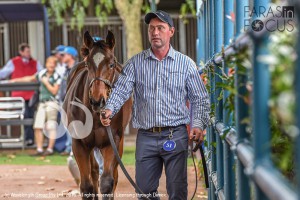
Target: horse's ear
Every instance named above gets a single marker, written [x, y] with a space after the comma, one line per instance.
[88, 40]
[110, 39]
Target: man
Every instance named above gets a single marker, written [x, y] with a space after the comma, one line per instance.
[163, 80]
[70, 55]
[69, 59]
[57, 52]
[17, 67]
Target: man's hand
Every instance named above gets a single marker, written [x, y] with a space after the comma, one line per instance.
[197, 135]
[105, 120]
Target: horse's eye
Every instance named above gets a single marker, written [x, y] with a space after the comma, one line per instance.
[112, 65]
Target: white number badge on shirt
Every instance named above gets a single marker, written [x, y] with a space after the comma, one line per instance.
[169, 145]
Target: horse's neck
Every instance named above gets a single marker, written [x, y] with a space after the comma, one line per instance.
[80, 85]
[74, 72]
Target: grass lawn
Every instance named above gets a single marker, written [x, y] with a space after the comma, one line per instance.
[22, 158]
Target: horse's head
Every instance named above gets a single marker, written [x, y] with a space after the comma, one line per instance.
[102, 66]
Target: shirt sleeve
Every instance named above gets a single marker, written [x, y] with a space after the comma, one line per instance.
[122, 89]
[7, 70]
[199, 99]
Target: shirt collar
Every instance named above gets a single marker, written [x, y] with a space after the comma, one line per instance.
[25, 60]
[171, 53]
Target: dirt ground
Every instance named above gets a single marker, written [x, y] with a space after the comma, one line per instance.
[19, 182]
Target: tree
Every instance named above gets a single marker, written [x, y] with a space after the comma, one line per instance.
[129, 11]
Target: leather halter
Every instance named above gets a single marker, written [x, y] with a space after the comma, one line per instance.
[106, 81]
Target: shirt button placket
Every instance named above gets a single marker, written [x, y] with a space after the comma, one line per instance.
[158, 88]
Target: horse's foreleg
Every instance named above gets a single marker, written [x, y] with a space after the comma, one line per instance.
[95, 175]
[120, 145]
[82, 156]
[109, 177]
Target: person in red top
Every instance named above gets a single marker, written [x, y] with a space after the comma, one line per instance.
[17, 67]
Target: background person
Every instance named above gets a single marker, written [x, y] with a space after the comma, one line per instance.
[48, 107]
[20, 66]
[70, 55]
[58, 53]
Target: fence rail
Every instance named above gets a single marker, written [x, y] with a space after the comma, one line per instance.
[7, 87]
[240, 167]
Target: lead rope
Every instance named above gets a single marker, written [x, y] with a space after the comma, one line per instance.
[199, 146]
[113, 144]
[195, 168]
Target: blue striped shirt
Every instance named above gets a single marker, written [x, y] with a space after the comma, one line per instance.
[161, 90]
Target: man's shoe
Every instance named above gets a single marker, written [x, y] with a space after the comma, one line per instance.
[48, 153]
[29, 142]
[65, 153]
[38, 153]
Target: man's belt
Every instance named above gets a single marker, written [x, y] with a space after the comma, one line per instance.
[159, 129]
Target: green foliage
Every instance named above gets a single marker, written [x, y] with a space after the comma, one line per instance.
[187, 7]
[281, 61]
[282, 102]
[146, 7]
[76, 11]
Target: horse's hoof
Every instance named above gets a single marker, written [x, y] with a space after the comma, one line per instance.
[106, 185]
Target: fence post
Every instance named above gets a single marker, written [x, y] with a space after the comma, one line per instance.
[261, 93]
[218, 103]
[211, 132]
[201, 33]
[153, 5]
[241, 108]
[297, 93]
[229, 175]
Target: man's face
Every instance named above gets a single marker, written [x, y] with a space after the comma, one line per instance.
[59, 56]
[159, 33]
[26, 53]
[66, 58]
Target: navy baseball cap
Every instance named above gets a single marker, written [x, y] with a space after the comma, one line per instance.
[163, 16]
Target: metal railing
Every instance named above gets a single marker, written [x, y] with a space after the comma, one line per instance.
[240, 167]
[5, 88]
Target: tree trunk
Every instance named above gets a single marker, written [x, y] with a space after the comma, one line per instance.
[130, 13]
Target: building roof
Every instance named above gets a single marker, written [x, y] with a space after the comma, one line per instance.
[18, 11]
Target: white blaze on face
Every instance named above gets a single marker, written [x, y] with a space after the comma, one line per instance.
[98, 57]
